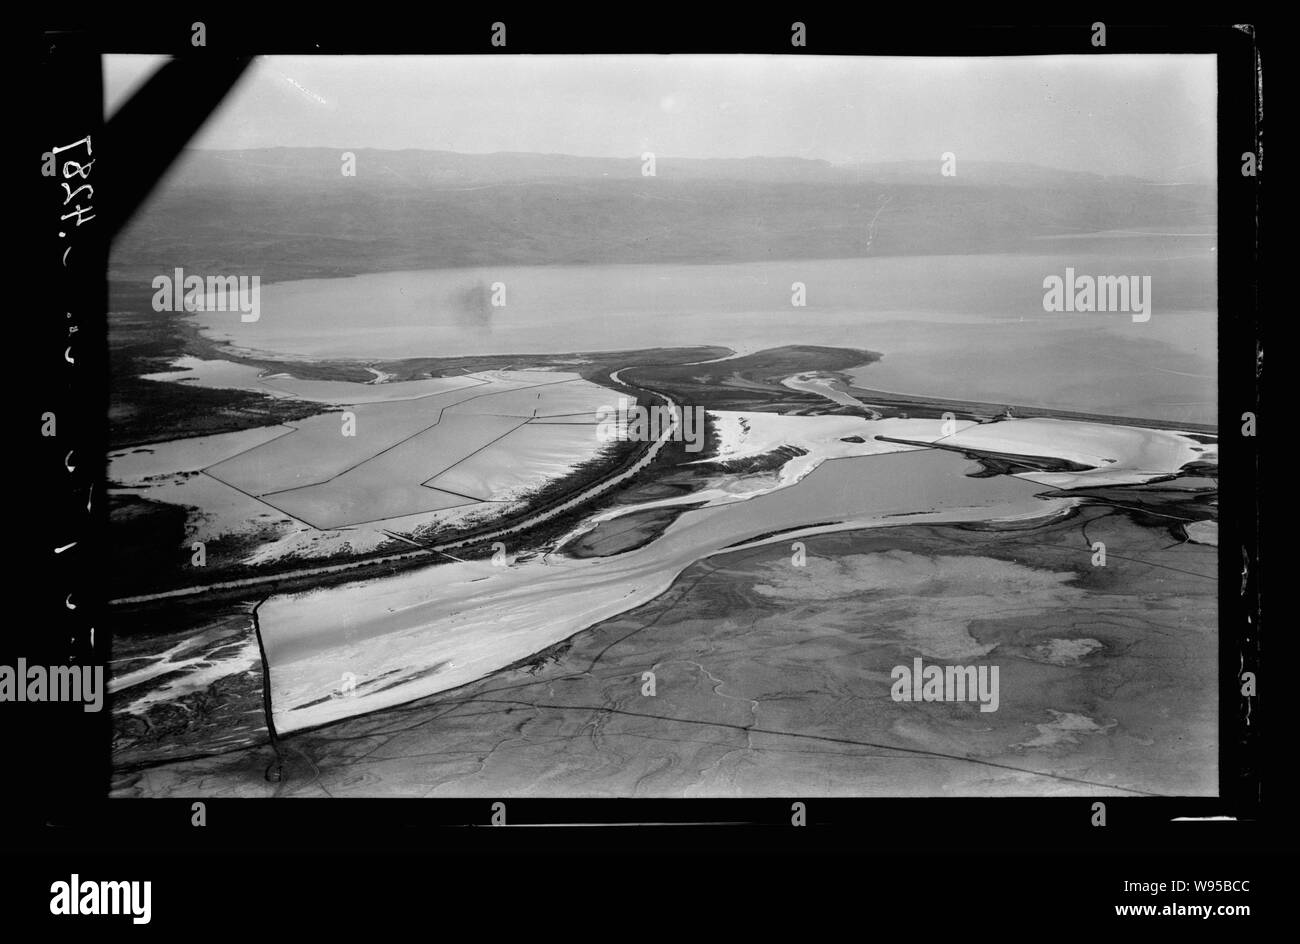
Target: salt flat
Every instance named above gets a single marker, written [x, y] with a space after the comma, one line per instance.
[411, 635]
[1109, 684]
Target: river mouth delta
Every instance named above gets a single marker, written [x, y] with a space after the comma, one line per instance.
[442, 580]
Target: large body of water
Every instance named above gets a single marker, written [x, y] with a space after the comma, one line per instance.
[969, 326]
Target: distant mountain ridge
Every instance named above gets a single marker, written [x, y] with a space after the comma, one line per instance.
[413, 166]
[291, 213]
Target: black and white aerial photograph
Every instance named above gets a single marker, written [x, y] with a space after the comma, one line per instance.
[671, 426]
[709, 437]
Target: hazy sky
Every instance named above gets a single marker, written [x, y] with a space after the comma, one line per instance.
[1151, 116]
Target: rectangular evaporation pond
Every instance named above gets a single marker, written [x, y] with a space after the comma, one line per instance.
[317, 450]
[388, 486]
[576, 400]
[526, 459]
